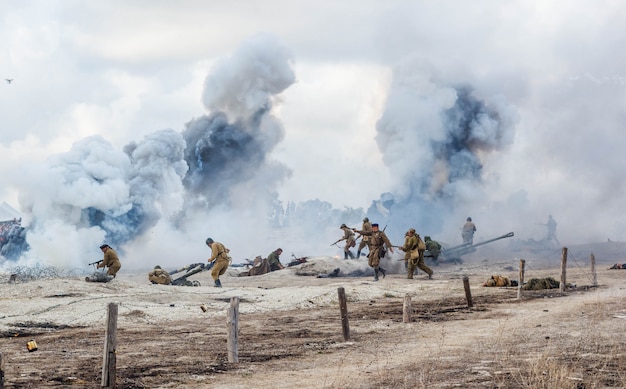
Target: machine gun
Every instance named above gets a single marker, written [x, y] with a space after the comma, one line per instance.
[95, 263]
[453, 254]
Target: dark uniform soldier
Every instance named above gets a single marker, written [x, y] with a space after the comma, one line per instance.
[348, 236]
[219, 255]
[159, 276]
[433, 247]
[110, 260]
[274, 260]
[378, 241]
[367, 226]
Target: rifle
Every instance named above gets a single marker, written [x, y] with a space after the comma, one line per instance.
[338, 241]
[95, 263]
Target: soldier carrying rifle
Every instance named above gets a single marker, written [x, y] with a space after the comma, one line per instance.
[378, 241]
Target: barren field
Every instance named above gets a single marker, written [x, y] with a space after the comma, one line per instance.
[290, 332]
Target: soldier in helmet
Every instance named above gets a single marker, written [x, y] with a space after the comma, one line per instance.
[367, 226]
[414, 246]
[378, 241]
[348, 236]
[219, 255]
[467, 232]
[433, 247]
[159, 276]
[110, 260]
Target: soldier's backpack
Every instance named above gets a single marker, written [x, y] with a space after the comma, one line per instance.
[421, 246]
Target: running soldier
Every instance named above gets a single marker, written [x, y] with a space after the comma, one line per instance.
[367, 226]
[378, 241]
[219, 255]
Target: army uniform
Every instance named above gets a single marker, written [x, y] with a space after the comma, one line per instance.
[433, 247]
[110, 260]
[415, 247]
[348, 236]
[378, 241]
[274, 260]
[219, 254]
[467, 232]
[367, 226]
[159, 276]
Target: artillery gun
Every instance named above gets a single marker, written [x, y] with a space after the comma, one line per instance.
[453, 254]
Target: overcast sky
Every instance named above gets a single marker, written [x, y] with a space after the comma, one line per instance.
[555, 71]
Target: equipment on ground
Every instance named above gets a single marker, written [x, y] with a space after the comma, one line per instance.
[190, 270]
[453, 254]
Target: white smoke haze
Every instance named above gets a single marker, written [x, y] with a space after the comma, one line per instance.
[417, 115]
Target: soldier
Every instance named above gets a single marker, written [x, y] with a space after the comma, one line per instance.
[110, 260]
[367, 226]
[414, 245]
[274, 260]
[467, 232]
[378, 241]
[348, 236]
[219, 255]
[433, 247]
[159, 276]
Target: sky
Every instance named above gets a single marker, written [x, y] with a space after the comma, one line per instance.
[155, 124]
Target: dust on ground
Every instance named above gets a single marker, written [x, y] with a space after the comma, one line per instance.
[290, 330]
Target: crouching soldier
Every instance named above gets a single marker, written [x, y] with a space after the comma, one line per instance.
[159, 276]
[110, 260]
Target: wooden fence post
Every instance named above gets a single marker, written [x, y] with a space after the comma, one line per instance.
[593, 270]
[563, 269]
[406, 309]
[1, 372]
[343, 307]
[233, 331]
[109, 359]
[468, 293]
[522, 264]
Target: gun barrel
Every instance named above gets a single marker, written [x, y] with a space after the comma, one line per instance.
[466, 248]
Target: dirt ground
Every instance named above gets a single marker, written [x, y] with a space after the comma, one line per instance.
[290, 331]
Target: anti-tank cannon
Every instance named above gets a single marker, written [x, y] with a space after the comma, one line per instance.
[453, 254]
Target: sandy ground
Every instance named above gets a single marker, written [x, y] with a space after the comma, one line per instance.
[290, 330]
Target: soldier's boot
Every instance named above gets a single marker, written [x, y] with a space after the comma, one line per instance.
[382, 271]
[218, 283]
[430, 276]
[358, 254]
[375, 274]
[350, 254]
[345, 255]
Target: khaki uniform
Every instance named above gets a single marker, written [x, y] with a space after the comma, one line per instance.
[111, 261]
[367, 226]
[416, 247]
[219, 254]
[348, 236]
[467, 233]
[377, 242]
[274, 261]
[159, 276]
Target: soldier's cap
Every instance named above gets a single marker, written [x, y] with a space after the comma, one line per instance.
[411, 229]
[366, 219]
[343, 226]
[375, 225]
[209, 240]
[157, 267]
[103, 246]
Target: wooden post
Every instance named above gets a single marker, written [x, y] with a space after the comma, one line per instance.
[406, 311]
[1, 372]
[343, 307]
[563, 269]
[233, 331]
[593, 270]
[109, 360]
[522, 264]
[468, 293]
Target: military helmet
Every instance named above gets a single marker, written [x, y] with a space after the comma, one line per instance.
[427, 237]
[469, 219]
[157, 267]
[343, 226]
[365, 220]
[209, 240]
[411, 229]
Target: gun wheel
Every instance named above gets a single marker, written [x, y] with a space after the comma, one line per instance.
[195, 283]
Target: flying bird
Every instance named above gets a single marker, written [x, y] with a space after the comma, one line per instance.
[9, 80]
